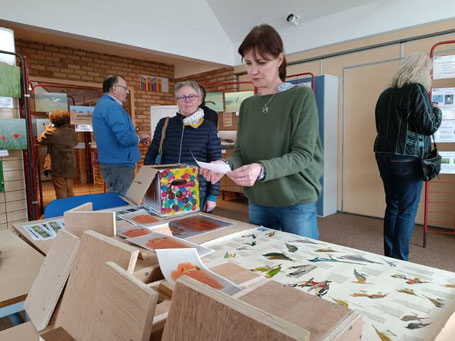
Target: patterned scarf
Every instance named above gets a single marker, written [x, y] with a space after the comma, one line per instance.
[195, 119]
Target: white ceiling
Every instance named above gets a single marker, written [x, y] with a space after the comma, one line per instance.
[238, 17]
[203, 35]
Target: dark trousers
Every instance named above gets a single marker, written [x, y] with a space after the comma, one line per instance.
[402, 180]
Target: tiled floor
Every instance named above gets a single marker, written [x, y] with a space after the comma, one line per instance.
[79, 189]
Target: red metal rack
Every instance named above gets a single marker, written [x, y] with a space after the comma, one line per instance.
[437, 186]
[35, 147]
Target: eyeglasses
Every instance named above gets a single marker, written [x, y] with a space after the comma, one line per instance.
[122, 86]
[183, 98]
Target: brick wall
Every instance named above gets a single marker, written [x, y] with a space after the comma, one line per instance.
[66, 63]
[219, 75]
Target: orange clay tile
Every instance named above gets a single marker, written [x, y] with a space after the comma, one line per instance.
[136, 233]
[196, 273]
[165, 243]
[145, 219]
[197, 224]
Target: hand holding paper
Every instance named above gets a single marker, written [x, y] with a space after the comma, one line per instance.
[216, 166]
[212, 176]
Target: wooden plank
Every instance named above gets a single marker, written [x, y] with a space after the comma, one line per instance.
[448, 331]
[48, 285]
[77, 311]
[199, 312]
[125, 308]
[87, 207]
[57, 334]
[19, 265]
[305, 310]
[76, 222]
[234, 273]
[148, 274]
[21, 332]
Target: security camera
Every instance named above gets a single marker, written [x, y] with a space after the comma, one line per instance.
[293, 19]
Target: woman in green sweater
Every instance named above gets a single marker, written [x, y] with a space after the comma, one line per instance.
[278, 156]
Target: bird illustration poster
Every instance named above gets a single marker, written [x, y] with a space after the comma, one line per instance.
[234, 99]
[48, 101]
[175, 263]
[214, 100]
[12, 134]
[10, 83]
[403, 300]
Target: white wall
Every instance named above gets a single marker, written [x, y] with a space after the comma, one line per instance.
[187, 28]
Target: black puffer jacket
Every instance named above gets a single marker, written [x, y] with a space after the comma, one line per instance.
[182, 142]
[405, 121]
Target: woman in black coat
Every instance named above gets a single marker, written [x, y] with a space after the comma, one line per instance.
[405, 121]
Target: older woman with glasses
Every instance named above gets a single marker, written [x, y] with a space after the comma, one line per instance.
[188, 134]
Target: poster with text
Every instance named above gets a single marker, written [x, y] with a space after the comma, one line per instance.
[443, 67]
[446, 132]
[444, 97]
[447, 162]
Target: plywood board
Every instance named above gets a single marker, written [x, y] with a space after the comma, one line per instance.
[51, 279]
[76, 222]
[77, 311]
[88, 206]
[19, 265]
[125, 308]
[234, 273]
[447, 333]
[305, 311]
[22, 332]
[199, 312]
[57, 334]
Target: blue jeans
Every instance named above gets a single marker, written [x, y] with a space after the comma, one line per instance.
[117, 178]
[402, 180]
[298, 219]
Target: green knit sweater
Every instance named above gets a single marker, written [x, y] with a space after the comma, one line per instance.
[286, 141]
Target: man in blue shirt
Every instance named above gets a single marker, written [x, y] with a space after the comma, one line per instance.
[116, 137]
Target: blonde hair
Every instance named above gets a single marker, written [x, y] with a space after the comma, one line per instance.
[416, 68]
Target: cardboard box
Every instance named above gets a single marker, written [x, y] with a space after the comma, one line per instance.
[168, 190]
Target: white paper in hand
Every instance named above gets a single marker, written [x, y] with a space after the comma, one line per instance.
[221, 168]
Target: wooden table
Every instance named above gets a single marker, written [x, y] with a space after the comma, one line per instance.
[19, 265]
[378, 287]
[43, 245]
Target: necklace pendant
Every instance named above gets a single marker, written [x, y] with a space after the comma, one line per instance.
[265, 110]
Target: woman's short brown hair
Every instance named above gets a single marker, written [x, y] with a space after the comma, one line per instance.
[264, 39]
[59, 117]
